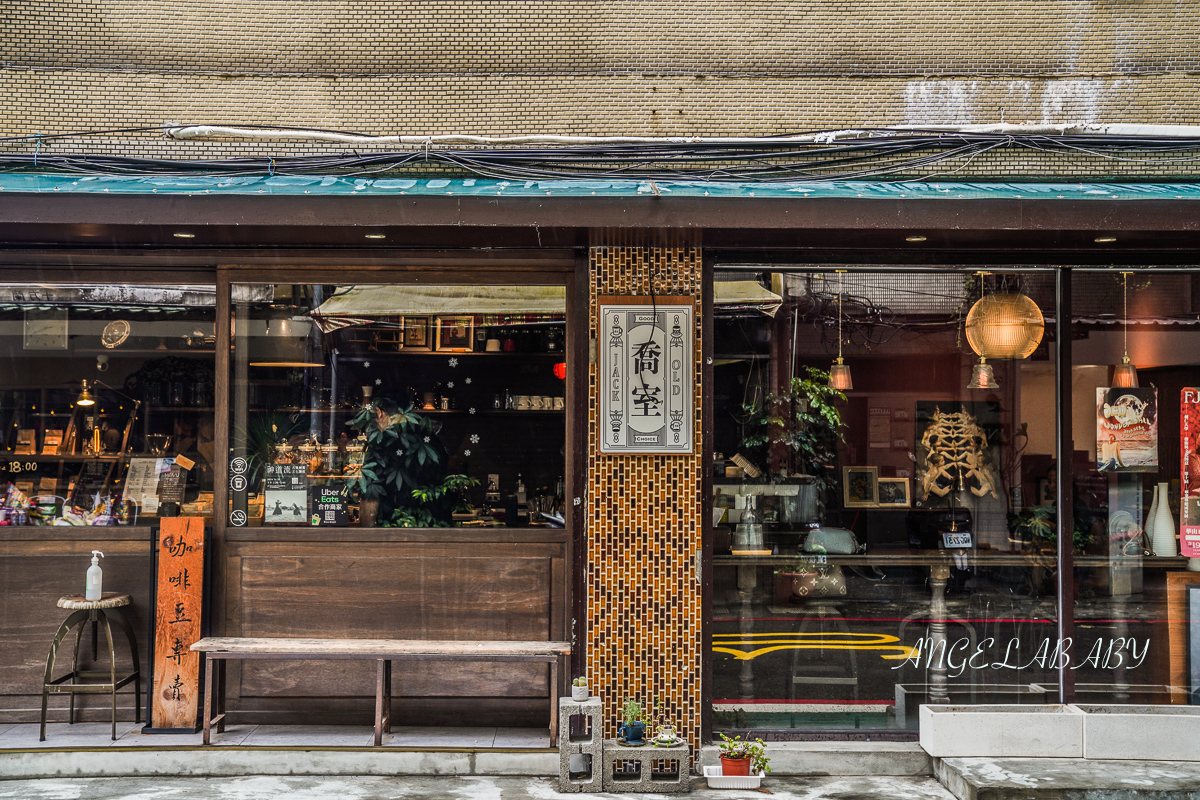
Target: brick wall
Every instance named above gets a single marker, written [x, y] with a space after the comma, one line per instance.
[657, 68]
[643, 529]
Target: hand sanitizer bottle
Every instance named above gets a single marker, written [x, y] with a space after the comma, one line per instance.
[95, 578]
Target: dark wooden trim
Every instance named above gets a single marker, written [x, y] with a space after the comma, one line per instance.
[1064, 455]
[147, 262]
[578, 393]
[54, 270]
[706, 484]
[264, 535]
[224, 345]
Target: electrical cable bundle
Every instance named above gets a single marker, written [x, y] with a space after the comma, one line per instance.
[876, 153]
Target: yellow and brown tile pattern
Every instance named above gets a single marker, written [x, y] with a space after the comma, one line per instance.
[643, 529]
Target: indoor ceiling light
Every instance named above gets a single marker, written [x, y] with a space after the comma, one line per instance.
[376, 236]
[1125, 374]
[914, 238]
[839, 373]
[982, 376]
[85, 397]
[184, 235]
[1004, 325]
[1105, 239]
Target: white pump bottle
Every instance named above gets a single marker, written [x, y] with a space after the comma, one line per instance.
[95, 578]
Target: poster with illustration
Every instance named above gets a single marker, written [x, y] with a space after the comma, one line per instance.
[1126, 430]
[1189, 463]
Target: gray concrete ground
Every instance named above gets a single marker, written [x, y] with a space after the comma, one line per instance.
[428, 788]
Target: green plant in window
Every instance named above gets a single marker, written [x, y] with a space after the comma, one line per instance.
[804, 423]
[404, 467]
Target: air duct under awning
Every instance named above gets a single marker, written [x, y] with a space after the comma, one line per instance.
[367, 304]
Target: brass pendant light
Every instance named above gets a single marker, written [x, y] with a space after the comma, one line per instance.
[1125, 374]
[839, 373]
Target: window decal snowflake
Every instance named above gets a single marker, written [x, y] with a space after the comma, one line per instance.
[474, 438]
[453, 362]
[467, 453]
[468, 381]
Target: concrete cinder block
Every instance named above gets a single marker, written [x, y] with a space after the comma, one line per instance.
[1142, 733]
[1002, 731]
[645, 757]
[589, 745]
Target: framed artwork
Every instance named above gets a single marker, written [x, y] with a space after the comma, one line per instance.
[454, 334]
[860, 487]
[1126, 429]
[416, 333]
[895, 492]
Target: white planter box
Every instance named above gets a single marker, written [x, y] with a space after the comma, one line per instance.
[1002, 731]
[1148, 733]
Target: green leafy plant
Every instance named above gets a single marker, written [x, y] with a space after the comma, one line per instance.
[738, 748]
[797, 430]
[404, 468]
[1035, 525]
[631, 712]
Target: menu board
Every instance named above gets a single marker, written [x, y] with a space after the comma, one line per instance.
[286, 494]
[171, 485]
[141, 482]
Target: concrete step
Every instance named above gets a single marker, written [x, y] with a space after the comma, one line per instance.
[1068, 779]
[840, 758]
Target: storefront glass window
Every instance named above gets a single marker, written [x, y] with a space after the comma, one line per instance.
[106, 398]
[888, 542]
[397, 406]
[1136, 485]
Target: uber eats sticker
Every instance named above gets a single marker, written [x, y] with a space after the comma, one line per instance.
[329, 506]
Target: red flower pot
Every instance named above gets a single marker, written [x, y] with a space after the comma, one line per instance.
[735, 766]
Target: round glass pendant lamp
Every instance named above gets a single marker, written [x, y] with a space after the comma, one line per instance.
[1005, 325]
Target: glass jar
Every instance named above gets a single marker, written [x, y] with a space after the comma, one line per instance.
[175, 393]
[285, 453]
[355, 454]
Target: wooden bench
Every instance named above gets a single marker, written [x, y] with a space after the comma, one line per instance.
[217, 651]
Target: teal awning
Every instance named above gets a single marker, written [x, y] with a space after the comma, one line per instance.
[283, 185]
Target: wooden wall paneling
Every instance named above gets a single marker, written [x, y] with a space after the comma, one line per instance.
[1177, 631]
[34, 574]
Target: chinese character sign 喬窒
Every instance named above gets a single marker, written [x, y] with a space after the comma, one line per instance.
[647, 375]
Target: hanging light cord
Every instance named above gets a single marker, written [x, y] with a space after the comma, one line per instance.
[1125, 316]
[841, 278]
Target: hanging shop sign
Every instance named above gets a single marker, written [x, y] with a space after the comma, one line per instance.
[1189, 462]
[1126, 430]
[647, 375]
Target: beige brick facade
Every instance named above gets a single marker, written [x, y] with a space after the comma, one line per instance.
[658, 68]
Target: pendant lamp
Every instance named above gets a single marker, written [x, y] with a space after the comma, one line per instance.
[1001, 325]
[1125, 373]
[839, 373]
[85, 397]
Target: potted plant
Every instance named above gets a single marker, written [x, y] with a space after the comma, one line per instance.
[796, 433]
[740, 757]
[579, 689]
[634, 728]
[798, 578]
[403, 478]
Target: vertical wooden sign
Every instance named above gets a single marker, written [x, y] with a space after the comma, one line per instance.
[180, 593]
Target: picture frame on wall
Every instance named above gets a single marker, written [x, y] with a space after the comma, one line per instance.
[860, 487]
[415, 334]
[895, 493]
[454, 334]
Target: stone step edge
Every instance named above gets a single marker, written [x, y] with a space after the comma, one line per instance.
[787, 758]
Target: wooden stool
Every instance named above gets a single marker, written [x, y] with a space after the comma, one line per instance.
[108, 610]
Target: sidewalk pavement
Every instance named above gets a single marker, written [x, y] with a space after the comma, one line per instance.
[443, 788]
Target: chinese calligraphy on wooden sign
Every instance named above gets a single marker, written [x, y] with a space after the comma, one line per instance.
[647, 375]
[176, 688]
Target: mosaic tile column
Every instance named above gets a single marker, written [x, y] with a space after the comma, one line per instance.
[644, 528]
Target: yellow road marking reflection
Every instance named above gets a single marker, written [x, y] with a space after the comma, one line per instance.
[812, 641]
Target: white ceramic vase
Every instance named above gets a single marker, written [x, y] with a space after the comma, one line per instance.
[1148, 528]
[1163, 537]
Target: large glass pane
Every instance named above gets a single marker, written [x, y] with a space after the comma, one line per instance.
[397, 406]
[890, 542]
[106, 400]
[1136, 485]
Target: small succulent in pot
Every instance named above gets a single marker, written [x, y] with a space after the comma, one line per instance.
[579, 689]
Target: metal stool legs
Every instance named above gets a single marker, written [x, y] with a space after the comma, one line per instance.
[68, 684]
